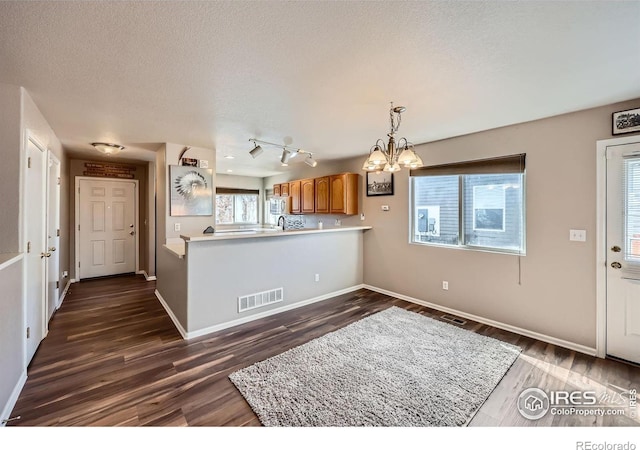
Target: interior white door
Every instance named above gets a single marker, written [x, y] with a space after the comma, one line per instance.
[36, 245]
[623, 251]
[53, 236]
[107, 227]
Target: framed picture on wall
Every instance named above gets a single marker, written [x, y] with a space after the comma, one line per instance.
[190, 191]
[379, 183]
[626, 121]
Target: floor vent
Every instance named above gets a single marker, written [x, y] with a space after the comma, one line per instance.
[455, 320]
[259, 299]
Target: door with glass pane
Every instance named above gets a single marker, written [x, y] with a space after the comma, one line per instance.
[623, 251]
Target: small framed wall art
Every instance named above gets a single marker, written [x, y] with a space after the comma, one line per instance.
[379, 183]
[626, 121]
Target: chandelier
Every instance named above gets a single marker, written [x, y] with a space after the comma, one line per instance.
[389, 158]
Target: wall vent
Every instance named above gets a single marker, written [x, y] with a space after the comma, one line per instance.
[259, 299]
[455, 320]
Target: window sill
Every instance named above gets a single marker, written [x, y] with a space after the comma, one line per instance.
[471, 248]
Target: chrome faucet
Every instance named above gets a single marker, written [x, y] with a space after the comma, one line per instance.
[283, 225]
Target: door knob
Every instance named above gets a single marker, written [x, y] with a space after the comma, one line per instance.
[132, 232]
[52, 249]
[131, 226]
[45, 255]
[616, 249]
[616, 265]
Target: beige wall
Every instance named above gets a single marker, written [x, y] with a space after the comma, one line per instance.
[191, 224]
[557, 295]
[145, 211]
[10, 150]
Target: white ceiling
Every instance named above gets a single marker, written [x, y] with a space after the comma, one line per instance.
[316, 75]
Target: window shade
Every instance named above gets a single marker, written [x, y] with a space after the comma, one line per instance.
[223, 190]
[503, 164]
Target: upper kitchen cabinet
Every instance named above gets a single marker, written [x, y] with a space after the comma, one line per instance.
[343, 193]
[294, 193]
[322, 195]
[307, 196]
[277, 189]
[284, 189]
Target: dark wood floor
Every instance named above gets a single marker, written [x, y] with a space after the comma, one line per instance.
[113, 357]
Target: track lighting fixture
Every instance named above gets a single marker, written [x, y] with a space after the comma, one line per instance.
[257, 150]
[287, 152]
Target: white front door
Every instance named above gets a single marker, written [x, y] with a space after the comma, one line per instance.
[107, 211]
[623, 251]
[53, 235]
[36, 245]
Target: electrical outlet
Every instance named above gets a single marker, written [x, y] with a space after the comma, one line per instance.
[176, 227]
[362, 216]
[317, 277]
[65, 274]
[578, 235]
[445, 285]
[204, 164]
[338, 222]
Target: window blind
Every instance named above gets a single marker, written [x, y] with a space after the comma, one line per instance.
[502, 164]
[224, 190]
[631, 189]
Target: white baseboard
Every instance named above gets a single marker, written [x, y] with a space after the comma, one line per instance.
[242, 320]
[503, 326]
[146, 276]
[11, 402]
[173, 317]
[64, 293]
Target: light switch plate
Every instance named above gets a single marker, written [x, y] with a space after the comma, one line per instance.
[385, 207]
[578, 235]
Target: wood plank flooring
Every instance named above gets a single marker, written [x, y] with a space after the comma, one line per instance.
[113, 357]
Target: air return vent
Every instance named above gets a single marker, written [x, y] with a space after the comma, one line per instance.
[252, 301]
[452, 319]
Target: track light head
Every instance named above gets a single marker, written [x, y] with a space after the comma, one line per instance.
[256, 151]
[286, 155]
[309, 161]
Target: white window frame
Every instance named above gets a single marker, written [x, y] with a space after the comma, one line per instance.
[257, 222]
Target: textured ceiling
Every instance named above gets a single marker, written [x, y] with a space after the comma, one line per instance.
[316, 75]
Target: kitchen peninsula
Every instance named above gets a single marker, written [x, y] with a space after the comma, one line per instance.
[223, 279]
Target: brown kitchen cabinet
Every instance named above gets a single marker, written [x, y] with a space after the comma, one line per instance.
[307, 196]
[294, 193]
[343, 193]
[322, 195]
[277, 189]
[284, 189]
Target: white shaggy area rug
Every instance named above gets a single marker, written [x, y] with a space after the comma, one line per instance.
[394, 368]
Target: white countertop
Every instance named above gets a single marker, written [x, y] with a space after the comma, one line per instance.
[263, 233]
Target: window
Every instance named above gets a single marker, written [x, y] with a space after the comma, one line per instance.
[236, 206]
[632, 209]
[476, 204]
